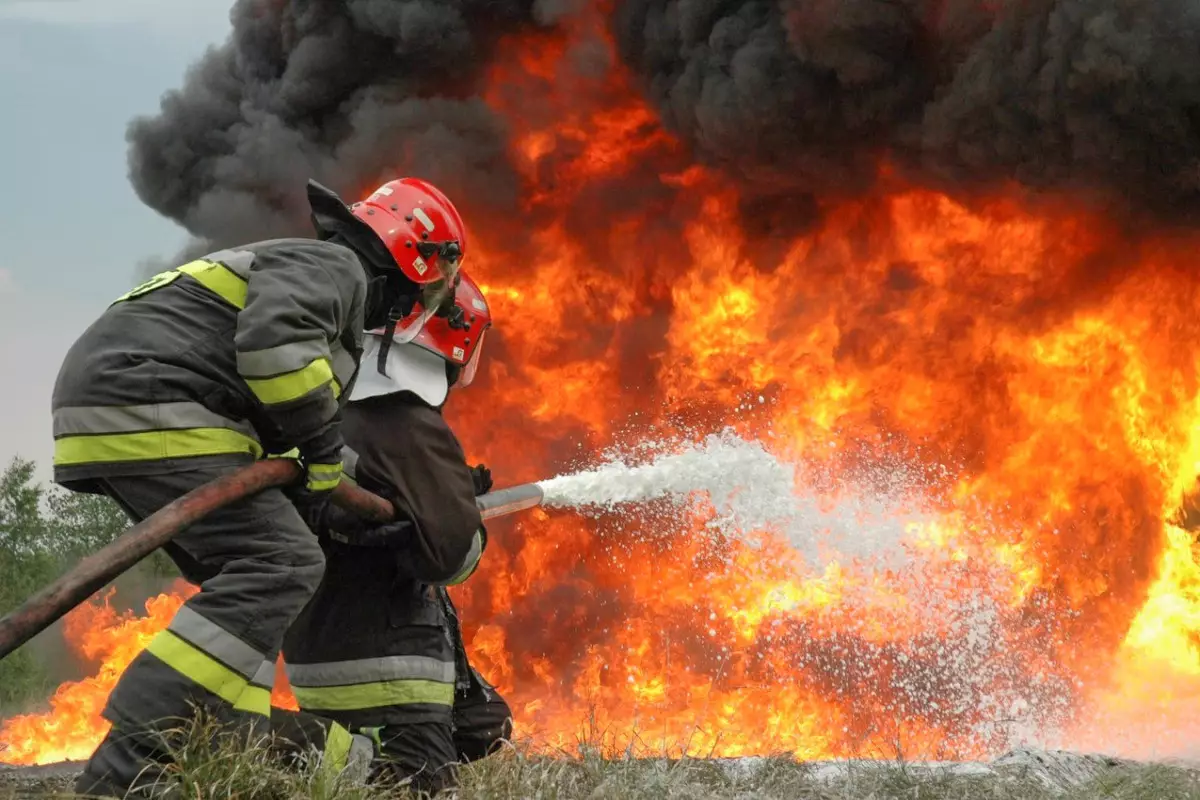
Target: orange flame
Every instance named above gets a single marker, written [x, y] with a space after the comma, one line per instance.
[1031, 368]
[99, 634]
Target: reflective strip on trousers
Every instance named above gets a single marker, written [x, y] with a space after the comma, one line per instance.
[104, 434]
[292, 385]
[372, 683]
[265, 675]
[374, 695]
[370, 670]
[204, 670]
[210, 637]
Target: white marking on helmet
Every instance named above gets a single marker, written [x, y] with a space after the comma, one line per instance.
[458, 353]
[479, 304]
[420, 214]
[420, 266]
[384, 190]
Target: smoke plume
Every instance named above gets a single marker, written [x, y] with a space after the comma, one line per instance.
[1099, 98]
[349, 92]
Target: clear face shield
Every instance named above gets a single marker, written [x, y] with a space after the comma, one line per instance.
[434, 296]
[467, 376]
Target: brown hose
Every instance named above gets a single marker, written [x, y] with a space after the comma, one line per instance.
[89, 575]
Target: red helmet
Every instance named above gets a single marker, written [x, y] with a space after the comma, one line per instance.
[425, 235]
[456, 330]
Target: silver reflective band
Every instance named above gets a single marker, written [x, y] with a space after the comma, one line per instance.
[371, 670]
[236, 261]
[344, 365]
[217, 642]
[349, 462]
[281, 359]
[264, 676]
[74, 420]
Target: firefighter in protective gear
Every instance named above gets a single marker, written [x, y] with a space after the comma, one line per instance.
[378, 648]
[246, 352]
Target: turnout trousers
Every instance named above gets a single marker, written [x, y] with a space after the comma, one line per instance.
[257, 564]
[427, 754]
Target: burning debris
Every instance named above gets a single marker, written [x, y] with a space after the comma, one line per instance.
[838, 262]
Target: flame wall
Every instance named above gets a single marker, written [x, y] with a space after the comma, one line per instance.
[1028, 359]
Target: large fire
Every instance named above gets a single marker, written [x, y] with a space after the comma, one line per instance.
[1032, 368]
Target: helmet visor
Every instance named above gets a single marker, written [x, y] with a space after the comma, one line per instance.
[433, 297]
[467, 377]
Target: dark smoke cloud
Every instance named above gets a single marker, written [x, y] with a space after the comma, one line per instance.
[1099, 98]
[349, 92]
[1093, 96]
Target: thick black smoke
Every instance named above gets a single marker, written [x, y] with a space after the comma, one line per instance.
[1100, 97]
[349, 92]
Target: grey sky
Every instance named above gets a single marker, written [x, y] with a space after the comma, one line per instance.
[72, 74]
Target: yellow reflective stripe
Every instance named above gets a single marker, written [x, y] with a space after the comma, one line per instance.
[155, 282]
[254, 700]
[220, 280]
[325, 471]
[201, 668]
[323, 477]
[217, 278]
[373, 695]
[291, 385]
[337, 749]
[152, 445]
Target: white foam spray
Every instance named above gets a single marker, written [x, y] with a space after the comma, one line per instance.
[955, 654]
[749, 491]
[746, 484]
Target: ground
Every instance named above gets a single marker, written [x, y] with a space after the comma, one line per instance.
[1022, 775]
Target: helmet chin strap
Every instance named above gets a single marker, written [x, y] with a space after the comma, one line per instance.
[401, 309]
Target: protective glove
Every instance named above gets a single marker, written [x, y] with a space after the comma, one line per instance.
[393, 536]
[349, 528]
[321, 457]
[481, 476]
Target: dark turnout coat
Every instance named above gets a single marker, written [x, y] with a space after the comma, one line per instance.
[243, 351]
[379, 643]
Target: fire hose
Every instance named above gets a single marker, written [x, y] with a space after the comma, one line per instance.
[92, 573]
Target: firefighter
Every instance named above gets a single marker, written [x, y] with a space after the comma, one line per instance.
[201, 370]
[378, 648]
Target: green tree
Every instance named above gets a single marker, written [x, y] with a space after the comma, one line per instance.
[79, 524]
[43, 532]
[26, 563]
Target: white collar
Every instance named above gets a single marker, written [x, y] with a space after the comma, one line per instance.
[410, 368]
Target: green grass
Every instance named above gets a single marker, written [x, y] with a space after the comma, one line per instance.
[211, 765]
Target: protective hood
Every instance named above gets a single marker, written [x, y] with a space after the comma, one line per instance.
[331, 217]
[410, 368]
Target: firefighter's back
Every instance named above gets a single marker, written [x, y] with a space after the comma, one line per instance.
[153, 384]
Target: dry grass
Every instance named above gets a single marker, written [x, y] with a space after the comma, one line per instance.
[212, 765]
